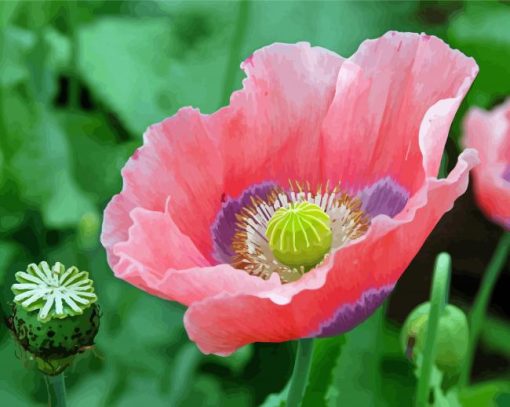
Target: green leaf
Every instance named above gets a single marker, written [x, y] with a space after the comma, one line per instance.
[481, 31]
[42, 165]
[237, 361]
[60, 49]
[495, 336]
[325, 357]
[40, 157]
[356, 378]
[142, 391]
[92, 387]
[8, 251]
[18, 384]
[38, 160]
[15, 44]
[503, 400]
[276, 400]
[183, 371]
[7, 11]
[97, 156]
[397, 382]
[12, 208]
[67, 204]
[205, 391]
[20, 48]
[326, 352]
[147, 335]
[150, 68]
[487, 394]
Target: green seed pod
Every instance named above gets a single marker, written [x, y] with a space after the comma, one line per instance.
[300, 235]
[55, 315]
[452, 336]
[57, 338]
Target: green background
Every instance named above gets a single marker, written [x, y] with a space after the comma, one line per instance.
[79, 84]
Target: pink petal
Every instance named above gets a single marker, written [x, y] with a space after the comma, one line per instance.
[156, 242]
[225, 322]
[159, 259]
[489, 133]
[492, 193]
[271, 130]
[394, 103]
[180, 160]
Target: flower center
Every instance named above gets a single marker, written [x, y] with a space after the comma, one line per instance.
[300, 235]
[289, 232]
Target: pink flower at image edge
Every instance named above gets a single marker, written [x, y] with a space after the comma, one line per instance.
[375, 123]
[489, 133]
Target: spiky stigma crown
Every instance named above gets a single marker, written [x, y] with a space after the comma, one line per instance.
[55, 315]
[54, 292]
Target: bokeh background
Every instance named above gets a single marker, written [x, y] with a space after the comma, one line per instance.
[79, 84]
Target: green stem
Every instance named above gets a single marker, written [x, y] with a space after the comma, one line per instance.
[235, 51]
[479, 310]
[439, 298]
[56, 387]
[301, 371]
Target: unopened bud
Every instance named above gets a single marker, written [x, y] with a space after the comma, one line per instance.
[451, 341]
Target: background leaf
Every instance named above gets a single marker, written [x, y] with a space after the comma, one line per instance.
[480, 31]
[326, 354]
[144, 83]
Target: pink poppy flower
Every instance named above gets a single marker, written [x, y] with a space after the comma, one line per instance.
[361, 138]
[489, 133]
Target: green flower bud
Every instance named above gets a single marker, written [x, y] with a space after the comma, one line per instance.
[452, 336]
[55, 315]
[300, 235]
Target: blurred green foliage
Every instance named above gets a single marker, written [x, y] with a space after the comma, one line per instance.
[79, 84]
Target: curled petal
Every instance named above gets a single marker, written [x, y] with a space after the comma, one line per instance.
[395, 100]
[159, 259]
[180, 160]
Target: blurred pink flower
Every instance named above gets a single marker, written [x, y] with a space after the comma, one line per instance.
[489, 133]
[189, 223]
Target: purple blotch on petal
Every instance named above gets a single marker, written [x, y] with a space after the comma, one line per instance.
[385, 197]
[506, 173]
[348, 316]
[224, 226]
